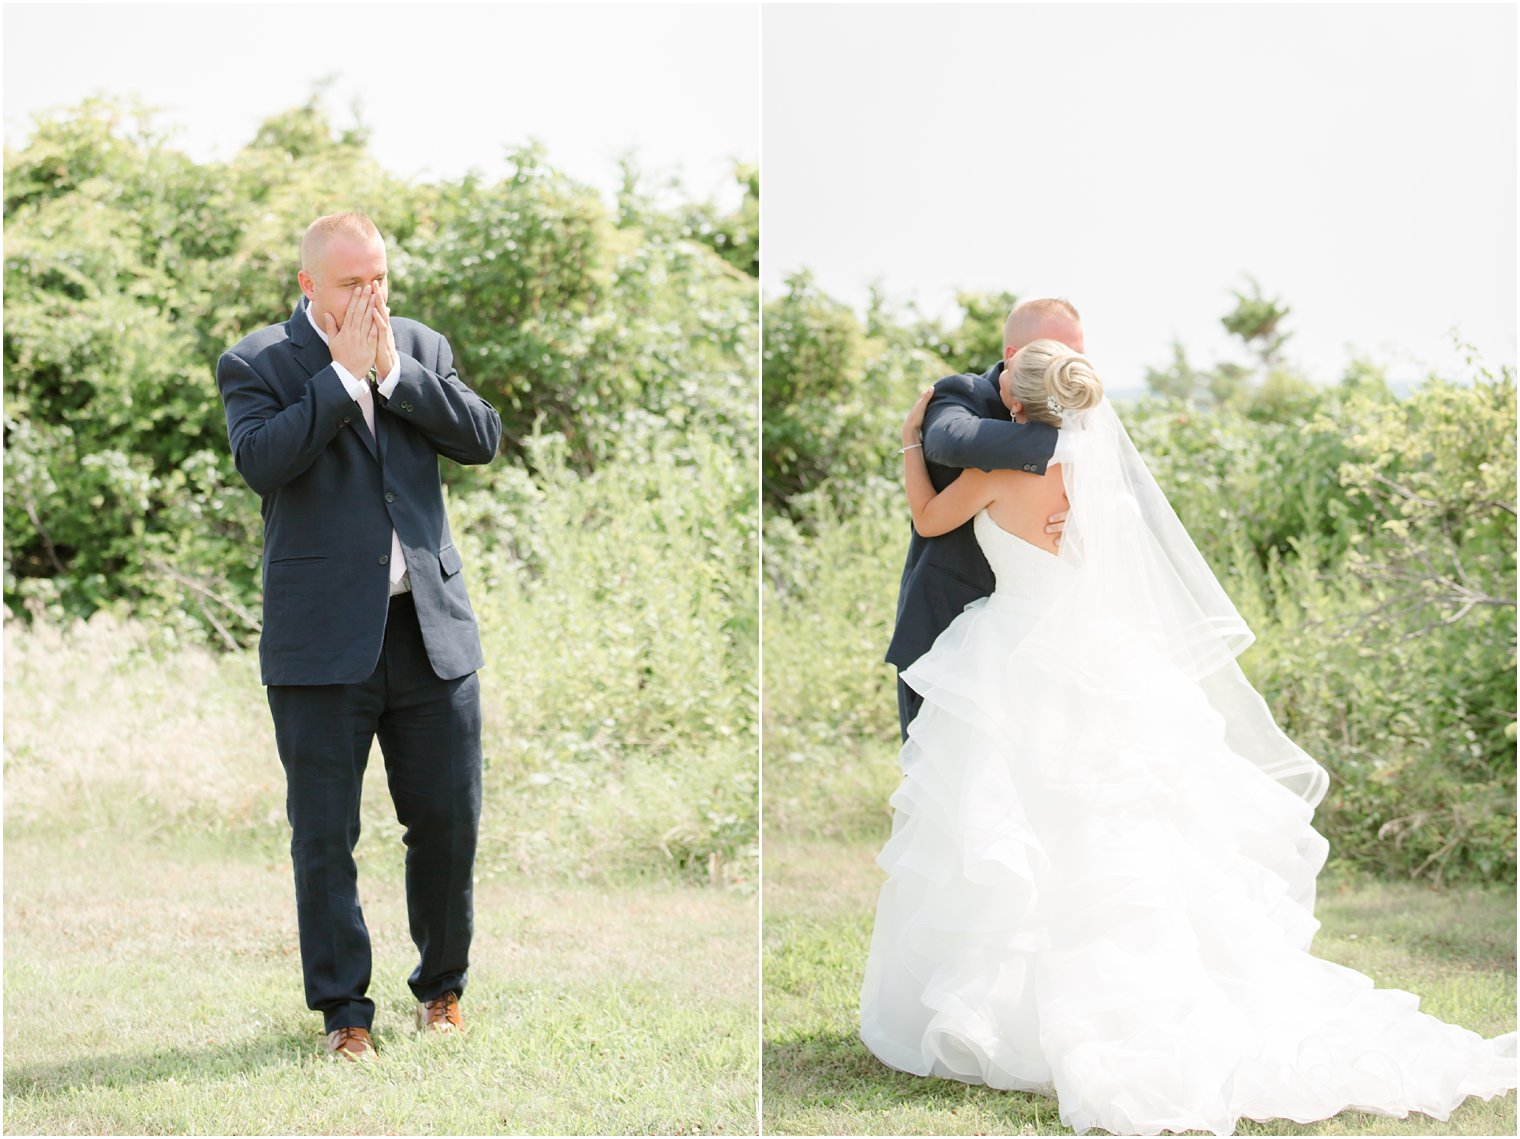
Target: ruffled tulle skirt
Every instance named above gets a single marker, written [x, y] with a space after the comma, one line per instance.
[1092, 898]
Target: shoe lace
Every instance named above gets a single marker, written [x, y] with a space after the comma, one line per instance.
[349, 1035]
[445, 1007]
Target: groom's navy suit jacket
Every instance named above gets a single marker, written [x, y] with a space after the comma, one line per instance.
[965, 425]
[331, 494]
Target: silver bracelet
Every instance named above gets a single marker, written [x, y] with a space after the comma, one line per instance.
[909, 447]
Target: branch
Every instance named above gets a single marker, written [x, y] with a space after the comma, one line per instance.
[168, 571]
[47, 542]
[220, 628]
[1404, 492]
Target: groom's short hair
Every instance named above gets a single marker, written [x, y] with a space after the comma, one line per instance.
[350, 224]
[1035, 309]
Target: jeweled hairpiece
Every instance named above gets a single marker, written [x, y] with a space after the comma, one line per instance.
[1054, 405]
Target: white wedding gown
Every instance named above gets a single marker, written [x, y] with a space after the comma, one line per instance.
[1102, 902]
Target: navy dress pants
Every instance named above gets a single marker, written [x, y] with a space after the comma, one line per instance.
[908, 704]
[429, 731]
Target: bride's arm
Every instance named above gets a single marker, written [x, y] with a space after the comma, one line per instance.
[936, 514]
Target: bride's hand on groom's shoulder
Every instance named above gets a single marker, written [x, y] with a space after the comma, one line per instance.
[915, 421]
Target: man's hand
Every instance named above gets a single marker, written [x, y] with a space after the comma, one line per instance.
[353, 345]
[1056, 524]
[385, 349]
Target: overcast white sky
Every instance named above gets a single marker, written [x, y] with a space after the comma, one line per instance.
[444, 87]
[1140, 159]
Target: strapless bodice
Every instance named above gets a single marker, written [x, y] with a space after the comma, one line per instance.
[1025, 572]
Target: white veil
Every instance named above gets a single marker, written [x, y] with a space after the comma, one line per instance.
[1139, 575]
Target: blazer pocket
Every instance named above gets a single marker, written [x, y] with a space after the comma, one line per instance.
[450, 561]
[944, 594]
[297, 596]
[945, 571]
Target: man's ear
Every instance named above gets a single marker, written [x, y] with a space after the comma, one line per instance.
[1009, 352]
[308, 286]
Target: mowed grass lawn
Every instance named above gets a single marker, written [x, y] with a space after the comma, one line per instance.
[1454, 949]
[153, 985]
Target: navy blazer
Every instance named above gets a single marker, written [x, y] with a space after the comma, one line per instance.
[331, 493]
[965, 425]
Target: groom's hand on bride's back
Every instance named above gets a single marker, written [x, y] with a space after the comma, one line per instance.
[1056, 524]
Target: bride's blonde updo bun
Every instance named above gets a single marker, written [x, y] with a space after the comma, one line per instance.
[1048, 369]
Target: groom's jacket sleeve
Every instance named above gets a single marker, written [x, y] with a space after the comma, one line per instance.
[272, 444]
[960, 432]
[435, 401]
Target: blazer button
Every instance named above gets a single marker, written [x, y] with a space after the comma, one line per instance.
[346, 418]
[389, 497]
[384, 558]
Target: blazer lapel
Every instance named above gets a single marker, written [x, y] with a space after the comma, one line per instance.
[313, 356]
[382, 430]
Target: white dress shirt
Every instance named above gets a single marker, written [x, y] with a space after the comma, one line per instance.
[359, 392]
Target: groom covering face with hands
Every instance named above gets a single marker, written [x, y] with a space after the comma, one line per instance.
[336, 418]
[967, 424]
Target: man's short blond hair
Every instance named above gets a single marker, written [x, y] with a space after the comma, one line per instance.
[1027, 315]
[324, 229]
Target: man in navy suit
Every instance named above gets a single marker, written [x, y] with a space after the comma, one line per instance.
[336, 418]
[967, 425]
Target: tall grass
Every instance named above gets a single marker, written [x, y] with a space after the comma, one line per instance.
[830, 708]
[1393, 717]
[620, 689]
[148, 891]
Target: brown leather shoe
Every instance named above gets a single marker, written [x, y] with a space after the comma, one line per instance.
[440, 1014]
[351, 1043]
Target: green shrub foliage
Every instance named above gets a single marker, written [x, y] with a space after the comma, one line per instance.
[130, 268]
[1368, 539]
[613, 546]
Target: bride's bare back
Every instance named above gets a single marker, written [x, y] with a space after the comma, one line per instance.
[1019, 501]
[1022, 503]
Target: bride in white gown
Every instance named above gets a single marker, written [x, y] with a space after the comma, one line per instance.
[1102, 862]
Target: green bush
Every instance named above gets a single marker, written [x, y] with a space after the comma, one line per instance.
[1368, 540]
[130, 269]
[617, 614]
[620, 632]
[611, 551]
